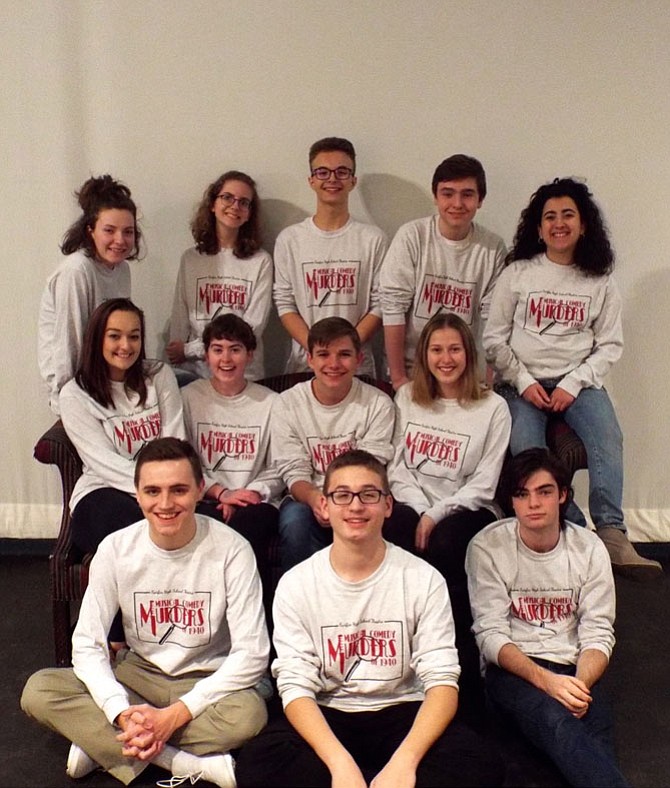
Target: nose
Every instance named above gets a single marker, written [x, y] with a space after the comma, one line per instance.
[164, 500]
[534, 500]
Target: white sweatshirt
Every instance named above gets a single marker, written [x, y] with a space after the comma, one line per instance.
[424, 273]
[550, 605]
[363, 646]
[232, 437]
[71, 294]
[322, 273]
[553, 321]
[108, 439]
[219, 284]
[198, 608]
[448, 456]
[307, 436]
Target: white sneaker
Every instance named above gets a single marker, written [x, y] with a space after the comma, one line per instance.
[217, 769]
[79, 764]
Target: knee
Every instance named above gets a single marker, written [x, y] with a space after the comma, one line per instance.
[35, 695]
[240, 717]
[295, 520]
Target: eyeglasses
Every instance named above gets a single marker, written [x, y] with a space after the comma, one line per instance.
[229, 199]
[345, 497]
[340, 173]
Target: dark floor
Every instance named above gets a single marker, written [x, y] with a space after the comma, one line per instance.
[31, 757]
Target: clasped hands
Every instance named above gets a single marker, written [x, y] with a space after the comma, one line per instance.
[146, 729]
[557, 402]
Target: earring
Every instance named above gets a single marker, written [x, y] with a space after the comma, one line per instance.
[540, 239]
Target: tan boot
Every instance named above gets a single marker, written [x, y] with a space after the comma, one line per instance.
[625, 560]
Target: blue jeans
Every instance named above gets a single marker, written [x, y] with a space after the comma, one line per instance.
[300, 534]
[580, 748]
[592, 417]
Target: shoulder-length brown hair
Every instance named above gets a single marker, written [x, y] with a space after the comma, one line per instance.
[203, 224]
[425, 389]
[92, 374]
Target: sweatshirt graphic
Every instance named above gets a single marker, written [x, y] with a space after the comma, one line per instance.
[373, 650]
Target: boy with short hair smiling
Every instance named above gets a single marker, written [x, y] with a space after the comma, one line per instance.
[191, 602]
[328, 264]
[445, 262]
[315, 421]
[227, 420]
[366, 664]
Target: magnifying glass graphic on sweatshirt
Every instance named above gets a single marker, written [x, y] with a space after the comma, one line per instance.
[172, 614]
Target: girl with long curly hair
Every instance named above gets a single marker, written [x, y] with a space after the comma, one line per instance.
[225, 272]
[553, 334]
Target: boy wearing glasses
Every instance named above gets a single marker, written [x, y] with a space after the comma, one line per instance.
[315, 421]
[328, 265]
[543, 601]
[366, 665]
[440, 263]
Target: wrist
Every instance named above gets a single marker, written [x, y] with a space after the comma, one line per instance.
[221, 492]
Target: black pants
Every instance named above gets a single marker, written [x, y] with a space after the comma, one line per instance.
[446, 550]
[279, 756]
[258, 524]
[99, 514]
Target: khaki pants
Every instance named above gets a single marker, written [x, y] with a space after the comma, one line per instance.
[56, 698]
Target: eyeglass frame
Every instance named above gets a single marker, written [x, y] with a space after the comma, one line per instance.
[351, 495]
[228, 199]
[350, 173]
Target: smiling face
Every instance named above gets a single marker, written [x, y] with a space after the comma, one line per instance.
[334, 366]
[447, 360]
[356, 522]
[121, 343]
[537, 507]
[334, 191]
[228, 212]
[228, 360]
[561, 228]
[457, 203]
[113, 236]
[167, 493]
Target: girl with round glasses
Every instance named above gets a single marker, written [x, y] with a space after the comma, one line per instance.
[225, 272]
[98, 245]
[450, 439]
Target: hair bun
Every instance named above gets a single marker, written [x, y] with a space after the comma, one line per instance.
[100, 188]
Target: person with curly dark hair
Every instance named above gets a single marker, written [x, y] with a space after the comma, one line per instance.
[225, 272]
[554, 332]
[98, 245]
